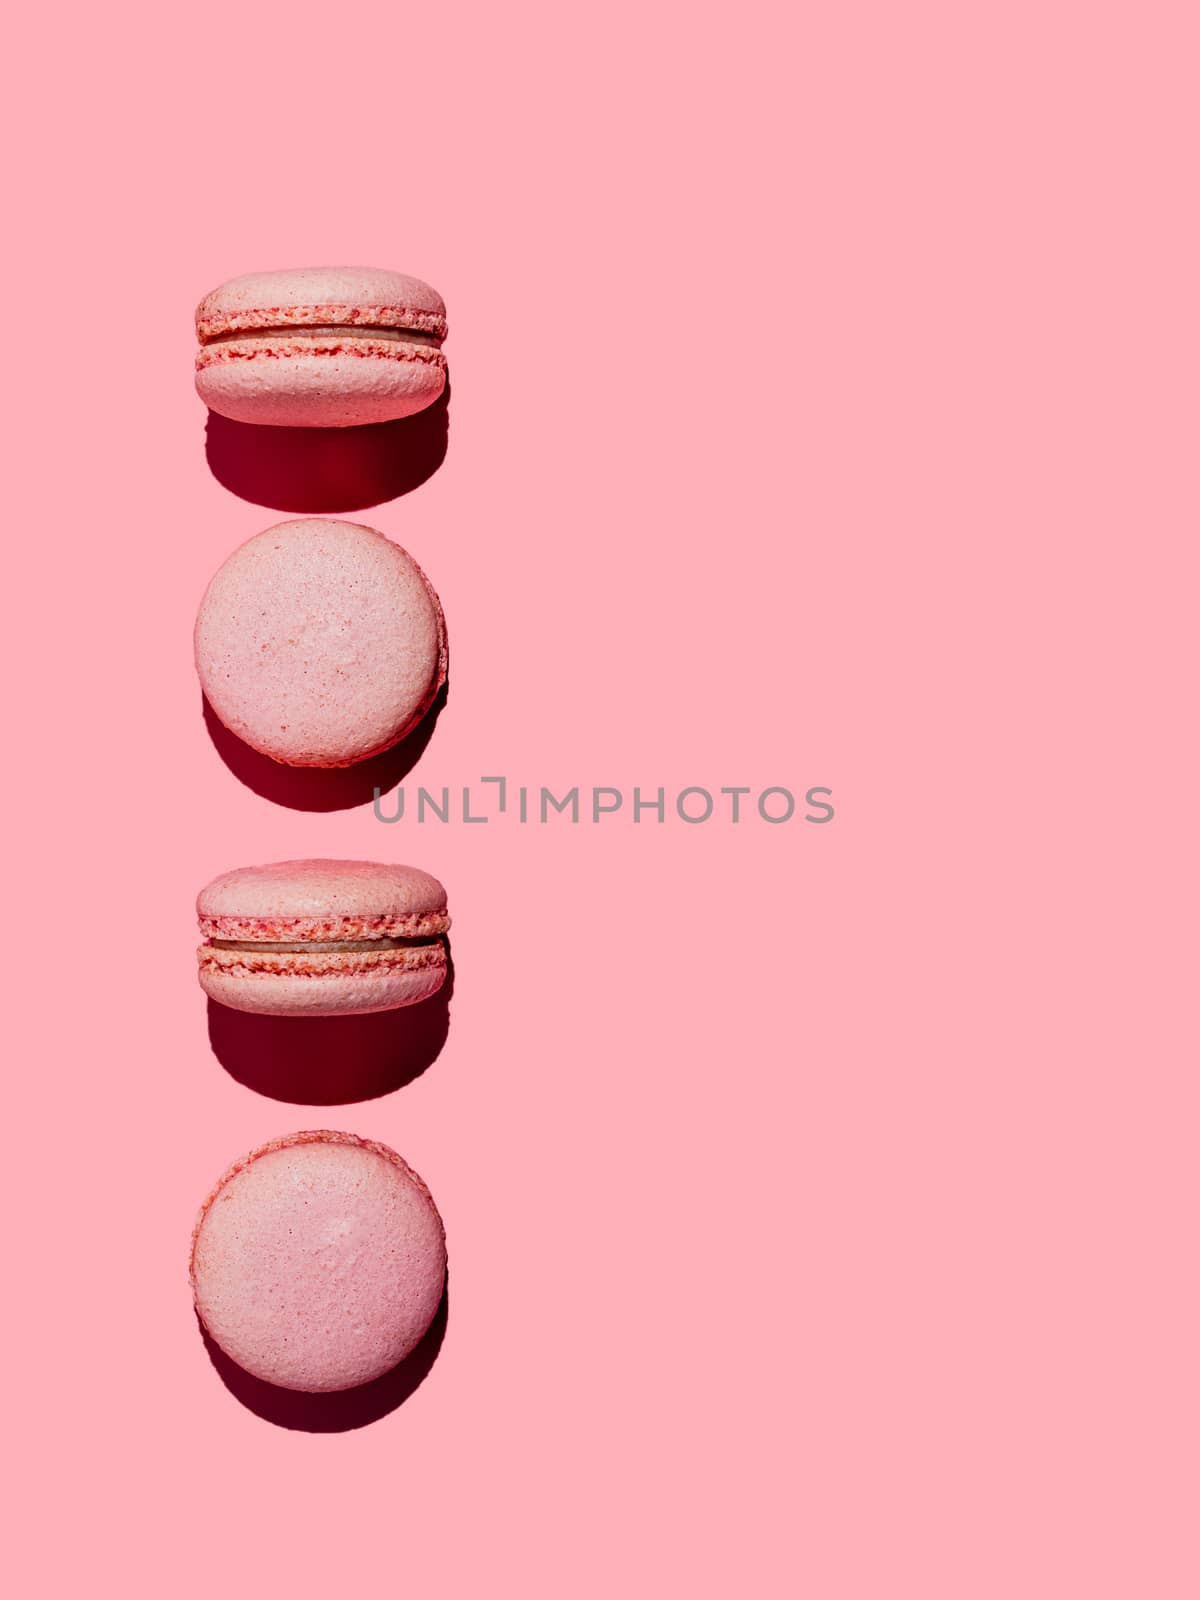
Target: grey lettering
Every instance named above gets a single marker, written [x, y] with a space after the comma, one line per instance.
[684, 815]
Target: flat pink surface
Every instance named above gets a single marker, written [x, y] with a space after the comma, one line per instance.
[822, 1201]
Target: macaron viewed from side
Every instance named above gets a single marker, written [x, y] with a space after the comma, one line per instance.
[320, 643]
[318, 1261]
[319, 938]
[321, 347]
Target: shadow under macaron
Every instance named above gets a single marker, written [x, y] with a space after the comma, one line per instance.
[313, 470]
[332, 1061]
[323, 788]
[345, 1409]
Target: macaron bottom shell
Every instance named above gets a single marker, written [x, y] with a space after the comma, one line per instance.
[279, 384]
[329, 985]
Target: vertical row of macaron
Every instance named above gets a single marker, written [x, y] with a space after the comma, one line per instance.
[318, 1261]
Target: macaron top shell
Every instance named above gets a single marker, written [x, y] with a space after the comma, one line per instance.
[320, 643]
[321, 296]
[321, 899]
[318, 1261]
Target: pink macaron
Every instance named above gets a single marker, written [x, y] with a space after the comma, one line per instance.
[320, 643]
[321, 347]
[322, 938]
[318, 1261]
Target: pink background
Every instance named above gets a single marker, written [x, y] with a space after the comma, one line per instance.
[821, 1200]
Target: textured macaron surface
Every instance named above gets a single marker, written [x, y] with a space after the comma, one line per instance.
[317, 296]
[318, 1261]
[321, 347]
[286, 382]
[320, 642]
[323, 899]
[322, 938]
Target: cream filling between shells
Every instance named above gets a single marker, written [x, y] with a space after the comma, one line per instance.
[324, 331]
[343, 959]
[320, 946]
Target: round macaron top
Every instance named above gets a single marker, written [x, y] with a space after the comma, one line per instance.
[320, 899]
[320, 643]
[318, 1261]
[321, 296]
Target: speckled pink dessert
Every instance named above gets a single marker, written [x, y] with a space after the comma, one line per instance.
[320, 643]
[318, 1261]
[322, 938]
[321, 347]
